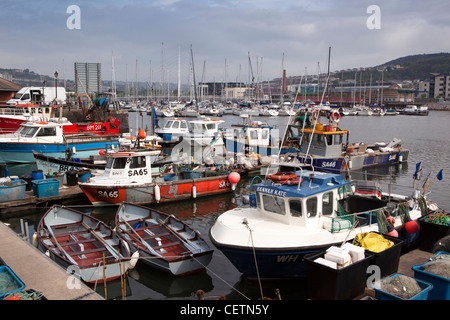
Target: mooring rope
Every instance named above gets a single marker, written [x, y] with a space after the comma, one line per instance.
[245, 222]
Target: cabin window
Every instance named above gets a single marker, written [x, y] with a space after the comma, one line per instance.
[210, 126]
[319, 139]
[137, 162]
[168, 124]
[311, 207]
[26, 96]
[348, 189]
[341, 192]
[30, 132]
[273, 204]
[46, 132]
[327, 203]
[253, 134]
[119, 163]
[176, 125]
[295, 206]
[338, 139]
[329, 139]
[265, 134]
[183, 125]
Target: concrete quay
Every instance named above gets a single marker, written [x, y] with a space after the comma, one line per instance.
[38, 271]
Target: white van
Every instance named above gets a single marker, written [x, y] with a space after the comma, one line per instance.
[39, 95]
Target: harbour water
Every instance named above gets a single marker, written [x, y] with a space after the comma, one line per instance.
[425, 137]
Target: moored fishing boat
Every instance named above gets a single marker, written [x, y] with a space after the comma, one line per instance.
[128, 177]
[11, 118]
[163, 241]
[327, 147]
[49, 139]
[53, 164]
[202, 130]
[84, 245]
[287, 221]
[254, 138]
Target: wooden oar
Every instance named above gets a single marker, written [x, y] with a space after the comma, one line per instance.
[50, 232]
[107, 245]
[149, 248]
[179, 236]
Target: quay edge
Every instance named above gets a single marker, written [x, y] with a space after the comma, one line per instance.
[37, 271]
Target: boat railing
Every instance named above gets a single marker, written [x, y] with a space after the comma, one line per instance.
[345, 221]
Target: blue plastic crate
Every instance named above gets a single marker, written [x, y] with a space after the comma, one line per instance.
[441, 285]
[14, 282]
[12, 190]
[422, 295]
[45, 188]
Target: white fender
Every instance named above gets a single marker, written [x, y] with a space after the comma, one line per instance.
[35, 240]
[194, 192]
[134, 259]
[157, 193]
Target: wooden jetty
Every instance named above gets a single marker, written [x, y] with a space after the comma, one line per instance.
[65, 194]
[39, 272]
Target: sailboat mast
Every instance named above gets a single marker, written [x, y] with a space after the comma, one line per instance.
[193, 77]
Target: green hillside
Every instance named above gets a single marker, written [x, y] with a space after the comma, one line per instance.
[414, 67]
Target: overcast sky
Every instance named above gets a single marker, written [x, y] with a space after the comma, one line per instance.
[40, 35]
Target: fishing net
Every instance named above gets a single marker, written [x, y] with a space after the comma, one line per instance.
[441, 218]
[439, 265]
[27, 295]
[8, 283]
[401, 286]
[423, 206]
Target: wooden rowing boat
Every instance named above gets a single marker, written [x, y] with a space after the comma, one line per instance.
[84, 245]
[163, 241]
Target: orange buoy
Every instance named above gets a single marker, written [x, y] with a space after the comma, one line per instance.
[141, 134]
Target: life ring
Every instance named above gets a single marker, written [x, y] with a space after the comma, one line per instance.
[316, 114]
[336, 119]
[280, 176]
[290, 182]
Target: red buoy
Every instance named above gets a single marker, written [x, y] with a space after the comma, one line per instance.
[234, 177]
[411, 226]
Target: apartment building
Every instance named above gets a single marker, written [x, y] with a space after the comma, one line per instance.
[438, 86]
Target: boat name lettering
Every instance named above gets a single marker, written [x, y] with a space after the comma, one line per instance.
[224, 184]
[329, 164]
[287, 258]
[140, 172]
[108, 193]
[94, 127]
[271, 191]
[392, 157]
[63, 167]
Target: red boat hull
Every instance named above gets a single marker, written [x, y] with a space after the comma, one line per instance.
[145, 194]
